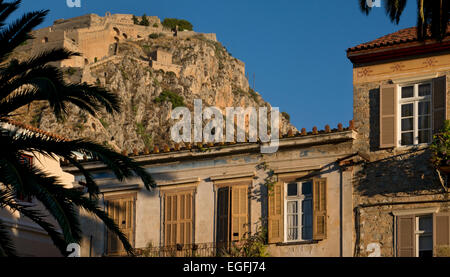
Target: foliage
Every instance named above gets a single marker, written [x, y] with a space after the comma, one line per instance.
[144, 21]
[182, 24]
[104, 123]
[142, 132]
[432, 15]
[253, 94]
[155, 25]
[440, 147]
[155, 35]
[135, 20]
[70, 71]
[287, 116]
[252, 246]
[442, 251]
[55, 208]
[172, 97]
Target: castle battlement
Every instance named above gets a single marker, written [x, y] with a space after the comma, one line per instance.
[96, 37]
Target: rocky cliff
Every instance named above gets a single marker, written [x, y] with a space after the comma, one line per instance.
[200, 69]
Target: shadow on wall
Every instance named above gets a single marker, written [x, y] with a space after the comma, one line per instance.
[409, 173]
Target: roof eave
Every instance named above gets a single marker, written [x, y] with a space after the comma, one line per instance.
[361, 57]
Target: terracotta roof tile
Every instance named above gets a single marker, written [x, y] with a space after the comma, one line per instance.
[403, 36]
[33, 129]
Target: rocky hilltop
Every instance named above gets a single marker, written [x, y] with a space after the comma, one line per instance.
[152, 75]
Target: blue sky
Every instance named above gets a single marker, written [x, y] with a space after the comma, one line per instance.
[295, 48]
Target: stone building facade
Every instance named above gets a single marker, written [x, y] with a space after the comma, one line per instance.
[206, 200]
[401, 98]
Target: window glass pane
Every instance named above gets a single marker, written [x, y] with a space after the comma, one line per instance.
[307, 219]
[426, 224]
[292, 207]
[407, 124]
[424, 136]
[407, 92]
[424, 122]
[425, 243]
[407, 110]
[307, 188]
[425, 90]
[407, 138]
[424, 108]
[292, 220]
[292, 189]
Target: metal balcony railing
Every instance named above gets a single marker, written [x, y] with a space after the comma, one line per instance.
[183, 250]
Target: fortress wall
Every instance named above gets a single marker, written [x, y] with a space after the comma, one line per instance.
[76, 22]
[166, 67]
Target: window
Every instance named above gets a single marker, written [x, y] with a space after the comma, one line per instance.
[297, 211]
[411, 113]
[415, 114]
[422, 235]
[298, 206]
[179, 218]
[232, 214]
[122, 210]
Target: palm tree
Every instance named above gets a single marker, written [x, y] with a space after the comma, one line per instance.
[35, 79]
[432, 15]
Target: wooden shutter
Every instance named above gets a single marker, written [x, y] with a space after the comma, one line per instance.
[178, 218]
[223, 227]
[406, 240]
[276, 213]
[441, 230]
[319, 208]
[122, 211]
[388, 116]
[239, 212]
[439, 103]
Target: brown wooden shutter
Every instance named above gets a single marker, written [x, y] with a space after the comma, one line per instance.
[441, 230]
[113, 241]
[406, 241]
[178, 218]
[223, 226]
[388, 116]
[439, 103]
[276, 213]
[319, 208]
[239, 212]
[122, 211]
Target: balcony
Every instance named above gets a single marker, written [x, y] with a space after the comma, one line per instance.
[187, 250]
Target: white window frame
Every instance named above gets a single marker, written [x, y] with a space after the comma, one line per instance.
[414, 100]
[419, 232]
[299, 199]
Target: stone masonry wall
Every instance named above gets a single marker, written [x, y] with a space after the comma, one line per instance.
[394, 175]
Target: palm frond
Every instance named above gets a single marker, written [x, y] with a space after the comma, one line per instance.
[17, 69]
[6, 246]
[18, 32]
[37, 184]
[6, 9]
[46, 83]
[122, 166]
[7, 200]
[394, 9]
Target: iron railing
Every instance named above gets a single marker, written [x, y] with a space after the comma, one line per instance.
[183, 250]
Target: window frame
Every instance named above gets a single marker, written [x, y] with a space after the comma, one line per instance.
[415, 100]
[299, 198]
[418, 233]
